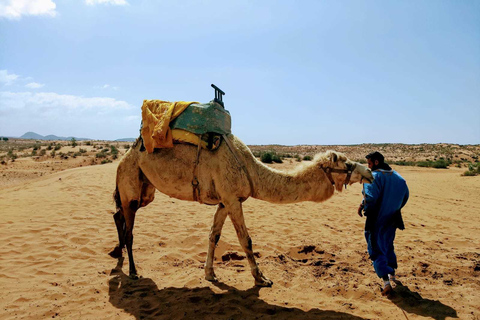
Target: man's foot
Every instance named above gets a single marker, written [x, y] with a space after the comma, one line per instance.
[393, 279]
[387, 290]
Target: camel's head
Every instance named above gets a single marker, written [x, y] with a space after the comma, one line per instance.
[342, 171]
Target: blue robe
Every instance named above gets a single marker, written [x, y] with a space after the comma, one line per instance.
[383, 200]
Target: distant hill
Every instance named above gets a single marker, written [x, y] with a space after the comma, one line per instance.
[36, 136]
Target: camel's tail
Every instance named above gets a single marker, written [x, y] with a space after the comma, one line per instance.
[116, 198]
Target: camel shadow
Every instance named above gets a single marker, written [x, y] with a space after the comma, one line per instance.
[412, 302]
[143, 299]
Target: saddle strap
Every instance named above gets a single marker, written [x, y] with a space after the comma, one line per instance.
[195, 184]
[242, 165]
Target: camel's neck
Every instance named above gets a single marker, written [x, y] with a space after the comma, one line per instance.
[290, 187]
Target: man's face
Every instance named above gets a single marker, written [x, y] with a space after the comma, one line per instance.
[371, 163]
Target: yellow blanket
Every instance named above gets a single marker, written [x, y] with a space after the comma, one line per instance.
[156, 116]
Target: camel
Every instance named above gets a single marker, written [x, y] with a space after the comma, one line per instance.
[226, 178]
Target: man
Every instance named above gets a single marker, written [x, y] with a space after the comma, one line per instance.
[381, 204]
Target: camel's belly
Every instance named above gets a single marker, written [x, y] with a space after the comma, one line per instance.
[173, 176]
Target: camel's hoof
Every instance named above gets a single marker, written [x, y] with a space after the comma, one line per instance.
[264, 283]
[211, 278]
[134, 276]
[116, 252]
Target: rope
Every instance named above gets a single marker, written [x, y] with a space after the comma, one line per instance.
[242, 165]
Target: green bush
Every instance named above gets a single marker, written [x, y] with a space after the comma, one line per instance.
[405, 163]
[267, 157]
[276, 159]
[113, 150]
[473, 170]
[307, 158]
[101, 155]
[441, 164]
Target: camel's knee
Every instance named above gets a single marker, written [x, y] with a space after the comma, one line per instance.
[214, 238]
[133, 205]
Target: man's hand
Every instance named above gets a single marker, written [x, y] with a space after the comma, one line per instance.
[360, 209]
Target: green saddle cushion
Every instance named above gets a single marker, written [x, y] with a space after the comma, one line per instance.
[202, 118]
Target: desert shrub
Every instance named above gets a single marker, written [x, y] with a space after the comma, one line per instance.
[307, 158]
[52, 154]
[113, 150]
[34, 152]
[57, 147]
[438, 164]
[43, 152]
[298, 158]
[405, 163]
[276, 158]
[441, 164]
[74, 142]
[101, 155]
[82, 150]
[106, 161]
[11, 155]
[5, 139]
[425, 164]
[88, 143]
[267, 157]
[49, 147]
[473, 169]
[105, 150]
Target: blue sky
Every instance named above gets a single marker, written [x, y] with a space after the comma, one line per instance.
[294, 72]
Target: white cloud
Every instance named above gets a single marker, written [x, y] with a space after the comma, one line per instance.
[34, 85]
[59, 105]
[7, 78]
[15, 9]
[106, 86]
[111, 2]
[61, 114]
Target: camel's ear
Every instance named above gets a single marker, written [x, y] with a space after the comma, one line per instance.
[333, 157]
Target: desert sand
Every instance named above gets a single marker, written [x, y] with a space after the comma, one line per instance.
[57, 230]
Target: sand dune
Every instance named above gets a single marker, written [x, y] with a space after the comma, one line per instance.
[56, 231]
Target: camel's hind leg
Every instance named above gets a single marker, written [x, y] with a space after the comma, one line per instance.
[218, 221]
[129, 211]
[120, 223]
[133, 191]
[235, 212]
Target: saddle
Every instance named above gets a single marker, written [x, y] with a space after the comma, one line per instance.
[167, 123]
[202, 124]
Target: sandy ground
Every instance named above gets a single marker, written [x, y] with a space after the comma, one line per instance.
[57, 229]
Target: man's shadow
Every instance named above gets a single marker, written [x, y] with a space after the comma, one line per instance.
[144, 300]
[412, 302]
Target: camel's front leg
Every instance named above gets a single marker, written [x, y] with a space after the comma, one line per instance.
[217, 226]
[236, 215]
